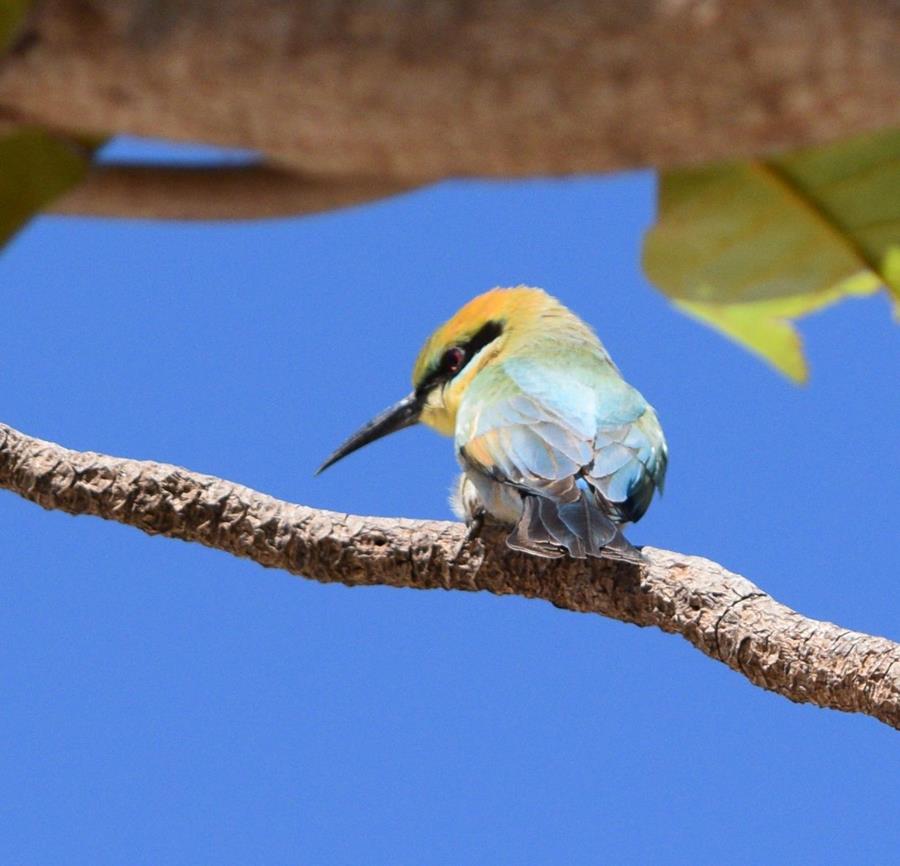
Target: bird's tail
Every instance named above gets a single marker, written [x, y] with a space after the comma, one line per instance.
[579, 529]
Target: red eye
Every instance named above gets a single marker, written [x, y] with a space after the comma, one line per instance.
[453, 360]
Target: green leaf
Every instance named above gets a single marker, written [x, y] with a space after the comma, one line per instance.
[773, 339]
[746, 247]
[35, 168]
[12, 14]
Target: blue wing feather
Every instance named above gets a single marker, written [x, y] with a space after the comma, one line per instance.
[582, 441]
[537, 424]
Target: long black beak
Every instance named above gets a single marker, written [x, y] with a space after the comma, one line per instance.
[400, 415]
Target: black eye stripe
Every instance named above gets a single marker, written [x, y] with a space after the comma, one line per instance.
[486, 334]
[445, 371]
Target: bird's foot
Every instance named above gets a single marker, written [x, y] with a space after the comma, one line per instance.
[473, 531]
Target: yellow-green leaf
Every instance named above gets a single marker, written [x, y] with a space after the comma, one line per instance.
[772, 338]
[12, 14]
[746, 247]
[35, 168]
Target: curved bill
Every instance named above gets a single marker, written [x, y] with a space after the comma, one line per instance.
[400, 415]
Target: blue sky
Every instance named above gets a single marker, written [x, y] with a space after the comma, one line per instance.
[164, 703]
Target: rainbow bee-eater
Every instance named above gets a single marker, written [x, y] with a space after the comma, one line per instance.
[552, 441]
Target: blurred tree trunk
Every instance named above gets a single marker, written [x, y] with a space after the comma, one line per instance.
[400, 92]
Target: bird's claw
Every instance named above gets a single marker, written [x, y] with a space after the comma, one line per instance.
[473, 531]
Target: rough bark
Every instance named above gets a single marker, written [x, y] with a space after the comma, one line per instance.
[414, 91]
[723, 614]
[198, 193]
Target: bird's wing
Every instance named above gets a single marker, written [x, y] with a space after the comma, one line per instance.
[630, 462]
[553, 432]
[518, 437]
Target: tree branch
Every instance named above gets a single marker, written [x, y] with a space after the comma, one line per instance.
[418, 91]
[213, 193]
[722, 614]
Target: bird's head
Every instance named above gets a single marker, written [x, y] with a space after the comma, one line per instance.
[474, 337]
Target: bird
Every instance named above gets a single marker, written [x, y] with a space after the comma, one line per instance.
[552, 441]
